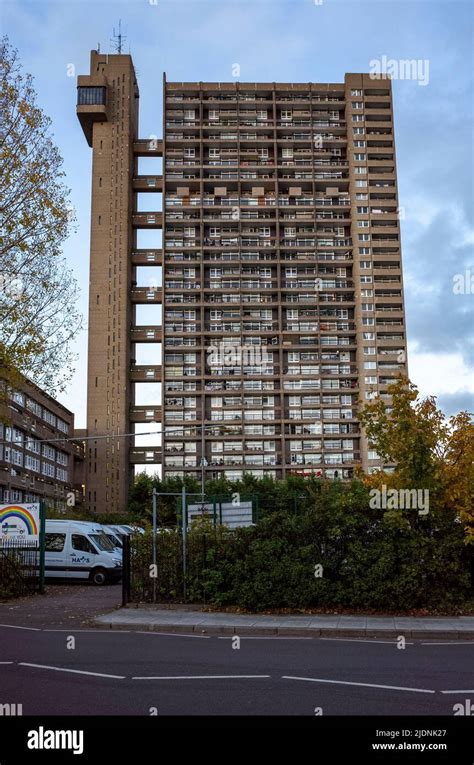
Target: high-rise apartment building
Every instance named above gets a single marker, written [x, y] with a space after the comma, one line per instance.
[277, 255]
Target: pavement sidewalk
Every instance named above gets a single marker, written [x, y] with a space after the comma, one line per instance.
[223, 623]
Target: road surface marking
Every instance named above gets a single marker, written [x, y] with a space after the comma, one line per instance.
[15, 627]
[364, 640]
[204, 677]
[72, 629]
[454, 642]
[74, 671]
[255, 637]
[7, 662]
[171, 634]
[365, 685]
[471, 691]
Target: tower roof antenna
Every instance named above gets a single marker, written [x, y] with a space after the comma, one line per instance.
[117, 40]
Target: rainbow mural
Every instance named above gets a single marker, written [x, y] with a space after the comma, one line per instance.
[19, 520]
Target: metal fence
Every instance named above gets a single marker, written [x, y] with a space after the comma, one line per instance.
[19, 568]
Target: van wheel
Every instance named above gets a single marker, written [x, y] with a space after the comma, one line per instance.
[99, 576]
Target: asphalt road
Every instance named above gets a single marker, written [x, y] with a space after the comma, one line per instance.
[143, 673]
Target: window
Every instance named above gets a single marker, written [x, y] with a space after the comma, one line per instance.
[286, 115]
[367, 306]
[372, 455]
[360, 184]
[54, 542]
[369, 351]
[361, 171]
[363, 210]
[359, 157]
[61, 425]
[356, 93]
[32, 463]
[364, 237]
[49, 417]
[357, 105]
[370, 365]
[357, 118]
[370, 380]
[359, 144]
[368, 321]
[189, 114]
[81, 543]
[358, 131]
[91, 96]
[48, 469]
[363, 224]
[364, 250]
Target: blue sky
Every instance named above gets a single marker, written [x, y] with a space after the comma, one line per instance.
[295, 40]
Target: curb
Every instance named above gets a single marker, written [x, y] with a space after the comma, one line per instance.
[313, 632]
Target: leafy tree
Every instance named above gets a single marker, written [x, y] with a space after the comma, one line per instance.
[429, 450]
[38, 296]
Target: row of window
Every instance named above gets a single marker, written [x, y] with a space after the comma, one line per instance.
[17, 458]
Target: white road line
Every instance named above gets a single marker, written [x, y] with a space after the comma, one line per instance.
[171, 634]
[205, 677]
[471, 691]
[365, 685]
[454, 642]
[363, 640]
[7, 662]
[255, 637]
[104, 631]
[15, 627]
[74, 671]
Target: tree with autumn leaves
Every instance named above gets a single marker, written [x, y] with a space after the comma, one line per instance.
[38, 295]
[429, 450]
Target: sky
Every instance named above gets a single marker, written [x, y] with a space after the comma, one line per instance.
[294, 41]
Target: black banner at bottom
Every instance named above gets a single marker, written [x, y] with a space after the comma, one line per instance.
[361, 739]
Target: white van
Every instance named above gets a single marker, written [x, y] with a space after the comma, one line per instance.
[80, 550]
[113, 536]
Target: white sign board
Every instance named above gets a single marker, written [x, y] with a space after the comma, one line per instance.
[233, 515]
[20, 522]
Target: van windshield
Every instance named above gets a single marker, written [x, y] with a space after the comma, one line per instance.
[115, 540]
[102, 542]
